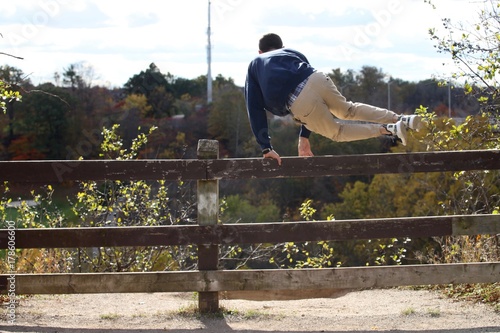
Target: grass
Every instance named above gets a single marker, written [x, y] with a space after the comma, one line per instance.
[139, 315]
[110, 316]
[487, 293]
[192, 312]
[408, 311]
[434, 313]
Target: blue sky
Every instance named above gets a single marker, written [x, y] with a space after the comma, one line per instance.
[117, 39]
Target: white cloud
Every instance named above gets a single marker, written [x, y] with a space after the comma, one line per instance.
[121, 38]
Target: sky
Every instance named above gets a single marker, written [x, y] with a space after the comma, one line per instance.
[114, 40]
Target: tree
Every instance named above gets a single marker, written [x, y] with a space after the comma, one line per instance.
[11, 82]
[228, 120]
[6, 93]
[239, 210]
[44, 117]
[132, 203]
[162, 103]
[166, 94]
[345, 82]
[138, 102]
[71, 78]
[77, 76]
[475, 48]
[147, 81]
[43, 213]
[371, 83]
[195, 88]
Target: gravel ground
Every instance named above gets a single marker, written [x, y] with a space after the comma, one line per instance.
[388, 310]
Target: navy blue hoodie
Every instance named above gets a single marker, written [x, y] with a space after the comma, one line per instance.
[271, 77]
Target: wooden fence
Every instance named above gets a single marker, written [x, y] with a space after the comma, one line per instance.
[210, 282]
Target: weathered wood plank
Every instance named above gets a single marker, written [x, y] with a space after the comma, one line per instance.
[246, 280]
[345, 165]
[358, 277]
[208, 215]
[251, 233]
[58, 171]
[283, 295]
[51, 172]
[470, 225]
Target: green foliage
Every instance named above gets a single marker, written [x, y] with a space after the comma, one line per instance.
[474, 46]
[324, 254]
[104, 204]
[423, 194]
[153, 97]
[112, 144]
[166, 94]
[481, 293]
[130, 203]
[442, 133]
[354, 204]
[466, 192]
[7, 95]
[46, 116]
[308, 254]
[38, 212]
[235, 209]
[10, 79]
[162, 103]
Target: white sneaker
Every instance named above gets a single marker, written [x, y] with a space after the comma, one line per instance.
[411, 121]
[398, 130]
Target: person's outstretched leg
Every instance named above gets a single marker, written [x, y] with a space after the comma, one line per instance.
[310, 109]
[346, 110]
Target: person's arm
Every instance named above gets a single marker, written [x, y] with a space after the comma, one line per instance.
[304, 146]
[256, 112]
[257, 115]
[304, 132]
[258, 118]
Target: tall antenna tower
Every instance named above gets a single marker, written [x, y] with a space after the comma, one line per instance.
[209, 59]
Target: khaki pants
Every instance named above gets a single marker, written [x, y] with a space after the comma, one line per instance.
[320, 103]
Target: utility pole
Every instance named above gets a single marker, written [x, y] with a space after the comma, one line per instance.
[209, 59]
[449, 98]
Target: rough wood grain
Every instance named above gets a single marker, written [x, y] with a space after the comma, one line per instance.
[48, 172]
[253, 233]
[352, 278]
[208, 215]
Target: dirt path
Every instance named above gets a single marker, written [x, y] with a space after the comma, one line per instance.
[363, 311]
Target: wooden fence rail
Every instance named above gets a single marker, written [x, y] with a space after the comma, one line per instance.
[50, 172]
[252, 233]
[208, 235]
[333, 279]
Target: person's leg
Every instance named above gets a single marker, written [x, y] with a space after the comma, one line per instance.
[310, 109]
[343, 109]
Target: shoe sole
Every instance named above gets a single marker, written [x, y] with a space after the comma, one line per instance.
[414, 123]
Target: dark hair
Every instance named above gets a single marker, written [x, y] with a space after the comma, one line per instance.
[270, 42]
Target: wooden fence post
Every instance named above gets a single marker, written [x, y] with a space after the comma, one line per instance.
[208, 214]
